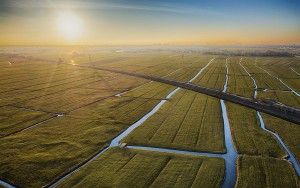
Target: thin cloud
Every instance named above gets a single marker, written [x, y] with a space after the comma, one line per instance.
[30, 4]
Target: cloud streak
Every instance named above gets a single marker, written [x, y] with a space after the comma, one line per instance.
[105, 5]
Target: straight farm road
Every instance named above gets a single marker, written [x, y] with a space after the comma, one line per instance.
[280, 80]
[282, 111]
[291, 157]
[116, 141]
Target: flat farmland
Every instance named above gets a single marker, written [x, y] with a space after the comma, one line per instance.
[289, 132]
[238, 80]
[190, 121]
[68, 140]
[133, 168]
[265, 172]
[267, 151]
[287, 98]
[248, 137]
[179, 67]
[214, 75]
[284, 68]
[14, 119]
[65, 123]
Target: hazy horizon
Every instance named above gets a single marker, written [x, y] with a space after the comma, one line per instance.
[158, 22]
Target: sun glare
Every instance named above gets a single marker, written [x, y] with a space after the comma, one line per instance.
[69, 26]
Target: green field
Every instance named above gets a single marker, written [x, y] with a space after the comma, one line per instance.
[289, 132]
[265, 172]
[133, 168]
[55, 116]
[214, 75]
[248, 137]
[189, 121]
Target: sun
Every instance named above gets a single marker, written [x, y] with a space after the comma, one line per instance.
[69, 25]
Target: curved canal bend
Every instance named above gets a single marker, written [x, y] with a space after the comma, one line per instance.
[291, 157]
[229, 157]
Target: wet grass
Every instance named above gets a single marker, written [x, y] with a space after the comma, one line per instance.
[133, 168]
[189, 121]
[265, 172]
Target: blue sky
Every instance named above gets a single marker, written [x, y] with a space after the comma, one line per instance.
[156, 21]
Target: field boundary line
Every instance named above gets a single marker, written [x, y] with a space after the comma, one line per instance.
[291, 157]
[281, 111]
[183, 119]
[291, 89]
[30, 127]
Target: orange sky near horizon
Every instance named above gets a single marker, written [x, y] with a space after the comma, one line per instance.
[142, 24]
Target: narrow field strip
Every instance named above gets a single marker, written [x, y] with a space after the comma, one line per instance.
[292, 90]
[257, 171]
[291, 156]
[177, 151]
[140, 168]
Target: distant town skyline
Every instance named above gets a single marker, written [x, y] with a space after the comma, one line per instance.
[144, 22]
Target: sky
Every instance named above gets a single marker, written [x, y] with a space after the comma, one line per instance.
[149, 22]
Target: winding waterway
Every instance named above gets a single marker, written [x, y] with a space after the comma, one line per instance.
[231, 154]
[116, 141]
[291, 157]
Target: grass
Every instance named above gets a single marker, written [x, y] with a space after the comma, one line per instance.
[161, 64]
[214, 75]
[287, 98]
[248, 137]
[238, 80]
[265, 172]
[31, 90]
[14, 119]
[57, 145]
[133, 168]
[190, 121]
[92, 120]
[289, 132]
